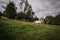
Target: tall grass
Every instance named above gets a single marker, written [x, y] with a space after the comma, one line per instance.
[19, 30]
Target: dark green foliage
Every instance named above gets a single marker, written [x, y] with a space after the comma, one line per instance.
[28, 14]
[20, 15]
[36, 18]
[0, 14]
[57, 19]
[28, 11]
[53, 20]
[10, 11]
[48, 19]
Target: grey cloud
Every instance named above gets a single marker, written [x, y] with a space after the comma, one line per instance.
[41, 8]
[45, 7]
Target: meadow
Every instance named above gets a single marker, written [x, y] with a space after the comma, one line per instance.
[20, 30]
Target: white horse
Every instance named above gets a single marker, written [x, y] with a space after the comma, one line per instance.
[38, 22]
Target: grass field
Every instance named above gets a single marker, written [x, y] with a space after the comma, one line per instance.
[19, 30]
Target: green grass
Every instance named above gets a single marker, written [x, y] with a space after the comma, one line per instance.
[19, 30]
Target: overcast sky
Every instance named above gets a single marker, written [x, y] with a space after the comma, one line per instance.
[41, 8]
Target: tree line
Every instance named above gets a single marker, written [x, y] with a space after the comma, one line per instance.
[27, 15]
[52, 20]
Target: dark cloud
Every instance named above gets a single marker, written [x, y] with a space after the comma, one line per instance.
[41, 8]
[45, 7]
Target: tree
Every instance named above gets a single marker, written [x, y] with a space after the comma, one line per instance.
[20, 15]
[48, 19]
[53, 20]
[10, 11]
[0, 14]
[28, 11]
[57, 19]
[36, 18]
[26, 6]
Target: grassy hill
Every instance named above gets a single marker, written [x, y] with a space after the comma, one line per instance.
[19, 30]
